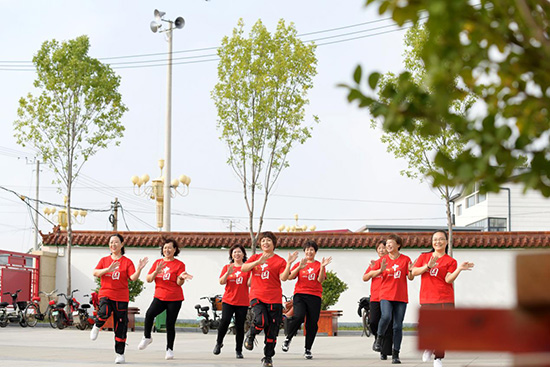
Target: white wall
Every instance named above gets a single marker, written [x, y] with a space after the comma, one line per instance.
[490, 284]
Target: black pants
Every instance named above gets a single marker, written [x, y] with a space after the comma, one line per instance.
[438, 353]
[119, 310]
[375, 315]
[240, 317]
[172, 309]
[306, 306]
[267, 317]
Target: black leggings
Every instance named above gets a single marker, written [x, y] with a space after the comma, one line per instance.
[240, 317]
[119, 310]
[172, 309]
[308, 306]
[267, 317]
[375, 315]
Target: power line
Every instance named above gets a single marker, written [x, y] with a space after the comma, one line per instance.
[28, 66]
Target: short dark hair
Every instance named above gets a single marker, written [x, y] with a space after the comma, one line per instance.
[311, 243]
[174, 243]
[269, 235]
[235, 246]
[396, 238]
[383, 242]
[121, 241]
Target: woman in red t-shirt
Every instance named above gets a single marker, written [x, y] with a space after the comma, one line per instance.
[307, 295]
[374, 302]
[395, 269]
[235, 298]
[115, 270]
[267, 270]
[169, 275]
[438, 272]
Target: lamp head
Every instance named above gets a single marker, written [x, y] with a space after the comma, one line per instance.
[179, 22]
[155, 26]
[158, 15]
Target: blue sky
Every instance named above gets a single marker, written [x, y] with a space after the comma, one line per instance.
[341, 178]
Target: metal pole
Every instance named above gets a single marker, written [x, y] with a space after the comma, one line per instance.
[168, 144]
[509, 208]
[36, 206]
[115, 220]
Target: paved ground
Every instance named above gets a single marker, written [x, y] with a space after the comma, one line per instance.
[43, 346]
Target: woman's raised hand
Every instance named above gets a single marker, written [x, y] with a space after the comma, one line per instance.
[466, 266]
[143, 262]
[326, 261]
[292, 256]
[185, 276]
[160, 266]
[433, 262]
[114, 265]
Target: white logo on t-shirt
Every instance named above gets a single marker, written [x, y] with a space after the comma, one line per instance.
[116, 275]
[434, 271]
[166, 274]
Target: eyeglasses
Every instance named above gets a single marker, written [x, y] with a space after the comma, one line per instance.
[439, 240]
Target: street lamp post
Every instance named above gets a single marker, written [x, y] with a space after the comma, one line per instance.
[296, 227]
[156, 190]
[156, 26]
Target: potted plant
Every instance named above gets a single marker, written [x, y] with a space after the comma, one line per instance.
[333, 287]
[135, 287]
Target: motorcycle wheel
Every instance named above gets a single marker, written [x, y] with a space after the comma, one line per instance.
[60, 321]
[51, 319]
[204, 327]
[83, 321]
[3, 320]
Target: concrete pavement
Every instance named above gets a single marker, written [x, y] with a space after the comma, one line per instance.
[41, 346]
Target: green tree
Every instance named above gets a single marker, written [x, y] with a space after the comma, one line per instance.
[419, 151]
[497, 51]
[333, 287]
[260, 99]
[77, 113]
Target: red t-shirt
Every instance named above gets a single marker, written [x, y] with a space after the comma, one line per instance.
[236, 288]
[308, 279]
[266, 282]
[166, 286]
[114, 285]
[394, 279]
[374, 286]
[433, 287]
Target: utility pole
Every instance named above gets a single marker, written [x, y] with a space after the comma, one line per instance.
[114, 217]
[36, 205]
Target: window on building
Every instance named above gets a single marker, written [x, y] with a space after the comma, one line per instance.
[491, 224]
[481, 197]
[470, 201]
[498, 224]
[459, 209]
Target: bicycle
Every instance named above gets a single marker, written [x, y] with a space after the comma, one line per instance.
[32, 311]
[64, 319]
[364, 312]
[16, 315]
[205, 322]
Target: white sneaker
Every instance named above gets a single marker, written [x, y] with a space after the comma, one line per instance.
[144, 343]
[94, 333]
[169, 354]
[120, 359]
[427, 355]
[438, 362]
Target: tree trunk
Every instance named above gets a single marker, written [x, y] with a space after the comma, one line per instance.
[449, 220]
[69, 231]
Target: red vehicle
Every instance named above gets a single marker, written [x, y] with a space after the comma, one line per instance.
[70, 313]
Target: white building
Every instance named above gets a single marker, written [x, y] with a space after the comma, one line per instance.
[508, 210]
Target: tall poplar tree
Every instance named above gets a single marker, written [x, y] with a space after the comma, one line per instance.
[77, 112]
